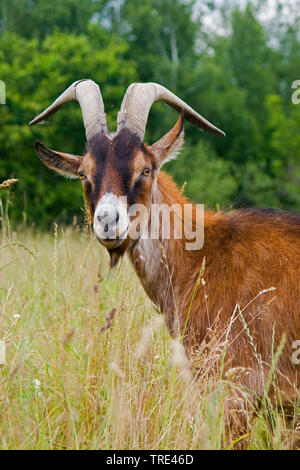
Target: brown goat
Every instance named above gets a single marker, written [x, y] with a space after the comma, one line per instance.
[243, 283]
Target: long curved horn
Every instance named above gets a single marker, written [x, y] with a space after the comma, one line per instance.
[138, 100]
[88, 95]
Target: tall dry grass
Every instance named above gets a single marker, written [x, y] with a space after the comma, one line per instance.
[89, 363]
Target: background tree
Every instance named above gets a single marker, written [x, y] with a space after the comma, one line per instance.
[35, 74]
[233, 61]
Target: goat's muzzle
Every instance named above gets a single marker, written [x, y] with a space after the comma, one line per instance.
[111, 221]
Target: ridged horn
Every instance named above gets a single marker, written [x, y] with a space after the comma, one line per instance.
[89, 97]
[137, 103]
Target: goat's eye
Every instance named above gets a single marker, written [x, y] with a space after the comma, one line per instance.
[146, 172]
[81, 175]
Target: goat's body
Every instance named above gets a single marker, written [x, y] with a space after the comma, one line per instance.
[239, 294]
[250, 281]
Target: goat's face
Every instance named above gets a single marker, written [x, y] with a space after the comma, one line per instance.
[118, 176]
[119, 172]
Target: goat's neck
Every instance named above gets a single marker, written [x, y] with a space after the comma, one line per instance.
[158, 262]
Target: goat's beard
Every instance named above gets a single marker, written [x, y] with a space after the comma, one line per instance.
[117, 253]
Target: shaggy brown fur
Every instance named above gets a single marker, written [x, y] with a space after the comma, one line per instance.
[251, 266]
[242, 286]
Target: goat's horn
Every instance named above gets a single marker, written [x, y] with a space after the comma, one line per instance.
[138, 100]
[88, 95]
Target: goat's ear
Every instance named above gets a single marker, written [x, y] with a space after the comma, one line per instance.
[167, 148]
[63, 163]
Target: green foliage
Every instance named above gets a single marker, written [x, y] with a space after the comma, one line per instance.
[37, 18]
[35, 74]
[213, 181]
[239, 77]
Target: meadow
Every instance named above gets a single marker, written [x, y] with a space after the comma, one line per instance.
[89, 362]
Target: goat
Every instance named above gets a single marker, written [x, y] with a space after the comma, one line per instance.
[249, 264]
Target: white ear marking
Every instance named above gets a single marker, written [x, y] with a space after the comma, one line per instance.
[168, 146]
[166, 155]
[175, 149]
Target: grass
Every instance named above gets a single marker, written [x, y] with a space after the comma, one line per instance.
[80, 375]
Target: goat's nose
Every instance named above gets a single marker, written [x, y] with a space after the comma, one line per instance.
[108, 218]
[102, 216]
